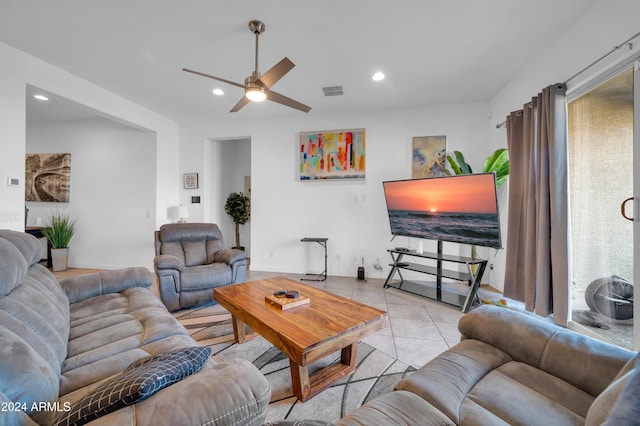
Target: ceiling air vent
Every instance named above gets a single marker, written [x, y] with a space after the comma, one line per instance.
[333, 91]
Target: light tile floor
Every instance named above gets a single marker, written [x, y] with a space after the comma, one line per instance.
[419, 329]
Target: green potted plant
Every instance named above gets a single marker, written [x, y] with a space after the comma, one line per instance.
[237, 206]
[59, 234]
[498, 162]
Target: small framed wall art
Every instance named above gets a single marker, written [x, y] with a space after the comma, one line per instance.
[429, 154]
[332, 154]
[190, 181]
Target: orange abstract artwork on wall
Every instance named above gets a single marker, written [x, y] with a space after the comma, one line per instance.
[334, 154]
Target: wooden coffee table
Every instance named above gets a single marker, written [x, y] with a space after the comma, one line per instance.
[305, 333]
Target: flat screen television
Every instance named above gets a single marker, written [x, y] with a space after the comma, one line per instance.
[461, 209]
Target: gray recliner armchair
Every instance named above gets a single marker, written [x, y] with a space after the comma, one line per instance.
[190, 261]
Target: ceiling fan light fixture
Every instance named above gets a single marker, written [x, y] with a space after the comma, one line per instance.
[255, 94]
[257, 87]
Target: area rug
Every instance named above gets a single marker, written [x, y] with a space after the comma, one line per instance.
[376, 372]
[208, 324]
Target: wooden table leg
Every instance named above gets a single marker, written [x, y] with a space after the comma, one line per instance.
[240, 331]
[306, 387]
[348, 355]
[300, 381]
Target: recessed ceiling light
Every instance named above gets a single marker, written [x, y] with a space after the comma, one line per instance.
[378, 76]
[41, 97]
[218, 92]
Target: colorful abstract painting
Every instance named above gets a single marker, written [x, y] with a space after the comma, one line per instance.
[429, 156]
[334, 154]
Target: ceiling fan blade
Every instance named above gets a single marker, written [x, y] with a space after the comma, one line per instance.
[276, 72]
[282, 99]
[242, 102]
[233, 83]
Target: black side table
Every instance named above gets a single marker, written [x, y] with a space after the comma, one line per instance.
[322, 276]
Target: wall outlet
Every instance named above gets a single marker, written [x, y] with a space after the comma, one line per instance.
[377, 266]
[11, 181]
[10, 216]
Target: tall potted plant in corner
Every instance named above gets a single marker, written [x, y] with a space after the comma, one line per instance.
[59, 234]
[237, 206]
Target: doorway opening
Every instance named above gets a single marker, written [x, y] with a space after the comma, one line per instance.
[230, 172]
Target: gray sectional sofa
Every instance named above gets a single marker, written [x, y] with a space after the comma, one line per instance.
[514, 369]
[61, 341]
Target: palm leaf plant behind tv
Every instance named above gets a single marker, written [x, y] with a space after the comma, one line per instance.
[460, 209]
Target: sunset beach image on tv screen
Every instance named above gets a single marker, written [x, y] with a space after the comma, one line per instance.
[461, 209]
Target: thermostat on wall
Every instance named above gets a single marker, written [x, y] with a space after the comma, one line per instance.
[13, 181]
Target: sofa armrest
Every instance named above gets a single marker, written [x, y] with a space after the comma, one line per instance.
[229, 256]
[547, 346]
[167, 261]
[99, 283]
[397, 408]
[228, 393]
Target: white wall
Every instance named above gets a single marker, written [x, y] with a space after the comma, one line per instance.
[19, 70]
[112, 198]
[352, 214]
[596, 32]
[12, 136]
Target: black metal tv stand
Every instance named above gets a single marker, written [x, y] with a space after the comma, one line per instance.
[451, 293]
[322, 276]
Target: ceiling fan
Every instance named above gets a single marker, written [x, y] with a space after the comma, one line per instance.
[257, 87]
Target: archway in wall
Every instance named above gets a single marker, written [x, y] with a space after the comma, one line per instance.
[113, 181]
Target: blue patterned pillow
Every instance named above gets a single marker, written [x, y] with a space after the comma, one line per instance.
[137, 382]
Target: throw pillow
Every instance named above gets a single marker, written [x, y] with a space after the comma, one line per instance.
[137, 382]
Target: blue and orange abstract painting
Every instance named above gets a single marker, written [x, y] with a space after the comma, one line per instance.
[334, 154]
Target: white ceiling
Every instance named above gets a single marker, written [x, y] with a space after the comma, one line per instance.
[432, 51]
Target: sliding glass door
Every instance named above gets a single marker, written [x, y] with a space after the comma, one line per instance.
[636, 199]
[601, 173]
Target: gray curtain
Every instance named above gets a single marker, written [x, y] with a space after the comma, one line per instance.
[538, 261]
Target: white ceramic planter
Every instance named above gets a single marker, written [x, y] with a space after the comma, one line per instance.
[59, 259]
